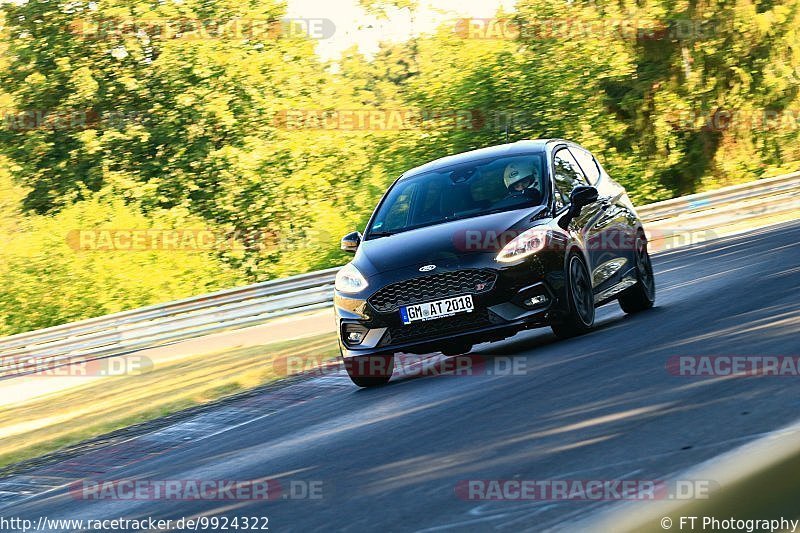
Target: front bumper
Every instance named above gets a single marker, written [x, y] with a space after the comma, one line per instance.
[520, 298]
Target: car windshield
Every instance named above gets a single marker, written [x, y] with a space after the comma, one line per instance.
[461, 191]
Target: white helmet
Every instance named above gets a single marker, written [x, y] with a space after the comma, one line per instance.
[518, 171]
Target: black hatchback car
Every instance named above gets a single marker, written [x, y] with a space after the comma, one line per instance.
[477, 246]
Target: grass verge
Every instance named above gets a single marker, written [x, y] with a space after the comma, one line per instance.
[106, 404]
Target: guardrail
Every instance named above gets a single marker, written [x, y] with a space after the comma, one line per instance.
[682, 220]
[155, 325]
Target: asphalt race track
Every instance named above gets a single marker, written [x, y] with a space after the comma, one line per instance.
[602, 406]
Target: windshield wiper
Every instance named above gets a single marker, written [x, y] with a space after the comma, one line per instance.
[381, 233]
[474, 214]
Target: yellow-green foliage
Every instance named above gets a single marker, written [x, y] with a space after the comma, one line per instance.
[45, 281]
[187, 132]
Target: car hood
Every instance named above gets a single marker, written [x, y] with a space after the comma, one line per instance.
[445, 245]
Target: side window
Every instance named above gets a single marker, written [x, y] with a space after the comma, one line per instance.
[587, 163]
[560, 199]
[567, 174]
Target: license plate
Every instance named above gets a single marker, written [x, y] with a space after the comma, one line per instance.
[437, 309]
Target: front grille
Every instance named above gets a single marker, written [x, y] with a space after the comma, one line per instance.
[480, 318]
[432, 287]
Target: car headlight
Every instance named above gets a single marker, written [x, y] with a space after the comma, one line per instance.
[526, 243]
[349, 279]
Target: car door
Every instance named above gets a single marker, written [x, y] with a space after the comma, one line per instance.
[617, 225]
[567, 175]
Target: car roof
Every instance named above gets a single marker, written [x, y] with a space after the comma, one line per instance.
[531, 146]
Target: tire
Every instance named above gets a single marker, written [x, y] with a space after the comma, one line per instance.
[642, 295]
[370, 371]
[580, 300]
[454, 349]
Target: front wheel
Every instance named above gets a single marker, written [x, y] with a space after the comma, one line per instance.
[370, 370]
[580, 300]
[642, 295]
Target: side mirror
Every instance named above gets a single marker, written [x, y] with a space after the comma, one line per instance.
[351, 241]
[583, 195]
[580, 197]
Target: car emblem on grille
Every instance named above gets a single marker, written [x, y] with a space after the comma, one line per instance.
[480, 286]
[427, 268]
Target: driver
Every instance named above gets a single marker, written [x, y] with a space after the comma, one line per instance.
[518, 176]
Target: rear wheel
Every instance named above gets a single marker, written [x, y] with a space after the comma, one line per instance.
[370, 370]
[580, 300]
[642, 295]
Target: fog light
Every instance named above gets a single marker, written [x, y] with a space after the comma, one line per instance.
[355, 337]
[535, 301]
[354, 334]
